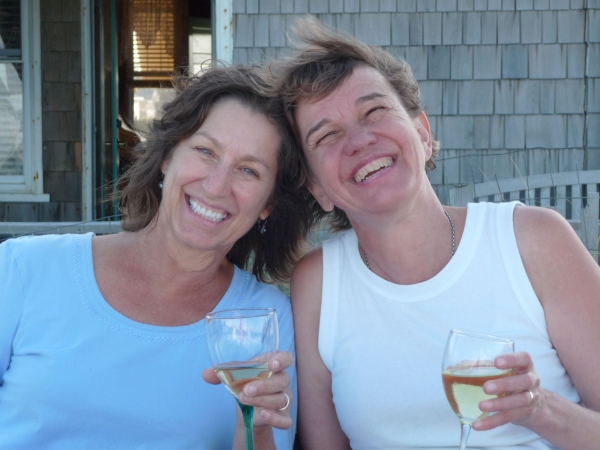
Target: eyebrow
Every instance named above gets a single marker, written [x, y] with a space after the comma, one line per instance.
[249, 158]
[359, 101]
[213, 139]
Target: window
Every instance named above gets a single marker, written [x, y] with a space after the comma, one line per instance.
[148, 100]
[200, 43]
[20, 102]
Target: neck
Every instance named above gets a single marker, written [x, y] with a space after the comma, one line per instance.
[167, 285]
[411, 248]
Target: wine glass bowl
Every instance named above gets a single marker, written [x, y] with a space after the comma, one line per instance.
[467, 365]
[240, 343]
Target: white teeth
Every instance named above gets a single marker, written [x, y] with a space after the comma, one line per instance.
[361, 175]
[206, 213]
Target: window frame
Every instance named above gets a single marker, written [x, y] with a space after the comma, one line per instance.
[29, 186]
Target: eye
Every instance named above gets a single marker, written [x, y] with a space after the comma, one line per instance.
[249, 171]
[204, 151]
[326, 138]
[373, 111]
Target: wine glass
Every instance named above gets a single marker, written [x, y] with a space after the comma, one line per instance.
[468, 364]
[240, 343]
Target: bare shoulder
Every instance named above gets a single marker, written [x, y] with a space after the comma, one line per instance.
[309, 263]
[530, 221]
[547, 242]
[307, 280]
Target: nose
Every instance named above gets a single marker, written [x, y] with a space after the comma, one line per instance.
[217, 181]
[358, 138]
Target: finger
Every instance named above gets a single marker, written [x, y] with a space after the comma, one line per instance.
[276, 419]
[518, 362]
[210, 376]
[275, 383]
[501, 418]
[280, 401]
[512, 384]
[517, 400]
[281, 361]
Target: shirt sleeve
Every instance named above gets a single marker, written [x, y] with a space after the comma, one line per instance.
[284, 439]
[11, 301]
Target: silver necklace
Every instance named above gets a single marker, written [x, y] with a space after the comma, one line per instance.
[364, 254]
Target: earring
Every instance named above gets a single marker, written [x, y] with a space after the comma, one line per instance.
[160, 183]
[262, 226]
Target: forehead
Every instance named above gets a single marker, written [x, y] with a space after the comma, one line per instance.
[363, 81]
[231, 122]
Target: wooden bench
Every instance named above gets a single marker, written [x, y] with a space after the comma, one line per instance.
[573, 194]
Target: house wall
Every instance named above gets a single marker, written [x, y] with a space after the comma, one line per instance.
[512, 87]
[61, 117]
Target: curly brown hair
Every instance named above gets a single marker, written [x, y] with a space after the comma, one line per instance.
[323, 60]
[270, 255]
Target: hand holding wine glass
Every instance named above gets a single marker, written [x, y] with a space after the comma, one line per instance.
[469, 363]
[241, 344]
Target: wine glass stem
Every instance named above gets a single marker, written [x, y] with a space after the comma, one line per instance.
[248, 414]
[465, 428]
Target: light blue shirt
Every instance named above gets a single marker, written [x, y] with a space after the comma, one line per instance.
[75, 373]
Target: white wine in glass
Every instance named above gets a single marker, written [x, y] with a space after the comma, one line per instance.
[240, 344]
[468, 364]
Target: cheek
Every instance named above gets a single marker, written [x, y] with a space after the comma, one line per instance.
[256, 198]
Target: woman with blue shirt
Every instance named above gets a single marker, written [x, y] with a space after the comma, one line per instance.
[102, 342]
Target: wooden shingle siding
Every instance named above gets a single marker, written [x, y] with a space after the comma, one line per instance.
[462, 66]
[531, 27]
[515, 137]
[374, 28]
[475, 97]
[400, 29]
[575, 130]
[593, 99]
[432, 29]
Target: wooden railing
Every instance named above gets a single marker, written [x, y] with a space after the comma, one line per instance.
[575, 195]
[10, 229]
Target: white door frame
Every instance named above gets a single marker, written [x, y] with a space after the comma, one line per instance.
[223, 30]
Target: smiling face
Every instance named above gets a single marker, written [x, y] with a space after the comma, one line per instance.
[364, 150]
[218, 181]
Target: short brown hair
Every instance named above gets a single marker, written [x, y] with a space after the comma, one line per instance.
[323, 60]
[269, 256]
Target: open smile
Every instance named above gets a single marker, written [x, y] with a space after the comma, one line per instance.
[205, 213]
[372, 168]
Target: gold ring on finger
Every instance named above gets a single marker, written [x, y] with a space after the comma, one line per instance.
[530, 396]
[287, 402]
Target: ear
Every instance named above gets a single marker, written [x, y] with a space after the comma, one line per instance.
[320, 197]
[164, 165]
[265, 213]
[424, 130]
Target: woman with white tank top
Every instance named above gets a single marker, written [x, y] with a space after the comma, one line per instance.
[374, 306]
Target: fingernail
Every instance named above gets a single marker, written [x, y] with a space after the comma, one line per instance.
[275, 365]
[265, 414]
[501, 362]
[250, 390]
[475, 425]
[485, 405]
[490, 387]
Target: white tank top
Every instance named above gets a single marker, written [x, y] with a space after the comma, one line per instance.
[384, 343]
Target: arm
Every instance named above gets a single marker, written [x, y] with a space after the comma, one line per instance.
[318, 425]
[567, 282]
